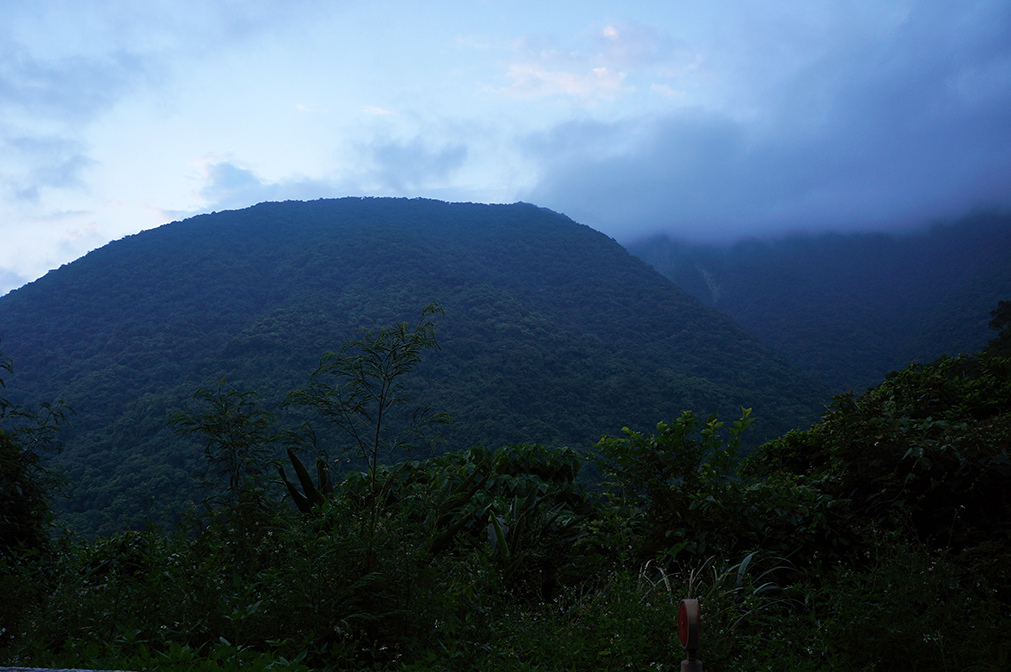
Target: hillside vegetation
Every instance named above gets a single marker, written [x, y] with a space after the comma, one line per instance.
[553, 333]
[617, 446]
[877, 539]
[848, 308]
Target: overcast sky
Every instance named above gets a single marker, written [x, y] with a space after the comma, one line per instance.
[708, 120]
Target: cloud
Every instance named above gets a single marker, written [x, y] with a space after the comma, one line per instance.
[637, 45]
[533, 81]
[225, 180]
[45, 106]
[229, 186]
[603, 175]
[409, 166]
[67, 234]
[10, 280]
[66, 90]
[64, 66]
[598, 69]
[666, 90]
[871, 133]
[43, 162]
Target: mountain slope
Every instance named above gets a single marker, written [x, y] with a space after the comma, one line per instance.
[847, 309]
[553, 333]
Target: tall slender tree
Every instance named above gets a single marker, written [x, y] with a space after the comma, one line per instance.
[238, 433]
[361, 390]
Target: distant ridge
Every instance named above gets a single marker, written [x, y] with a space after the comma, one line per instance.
[553, 333]
[849, 308]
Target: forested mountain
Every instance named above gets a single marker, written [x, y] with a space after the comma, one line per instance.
[847, 309]
[552, 333]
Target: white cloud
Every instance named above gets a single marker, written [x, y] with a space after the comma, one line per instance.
[636, 45]
[228, 186]
[533, 81]
[610, 63]
[858, 124]
[666, 90]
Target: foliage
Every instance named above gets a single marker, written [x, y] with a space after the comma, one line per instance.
[367, 400]
[296, 591]
[238, 434]
[315, 493]
[927, 450]
[823, 550]
[27, 484]
[847, 308]
[326, 587]
[558, 336]
[672, 479]
[913, 610]
[1001, 322]
[686, 495]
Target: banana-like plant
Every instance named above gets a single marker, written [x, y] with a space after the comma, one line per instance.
[456, 510]
[315, 494]
[525, 529]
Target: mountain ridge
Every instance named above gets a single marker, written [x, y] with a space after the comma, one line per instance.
[553, 333]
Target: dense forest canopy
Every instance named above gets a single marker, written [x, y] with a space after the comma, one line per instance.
[552, 333]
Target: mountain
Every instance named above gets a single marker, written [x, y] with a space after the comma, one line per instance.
[553, 333]
[847, 309]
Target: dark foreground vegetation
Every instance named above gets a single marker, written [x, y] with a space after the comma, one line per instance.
[876, 540]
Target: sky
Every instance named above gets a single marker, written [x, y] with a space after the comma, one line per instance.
[707, 120]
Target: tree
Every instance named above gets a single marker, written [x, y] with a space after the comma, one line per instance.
[238, 434]
[26, 488]
[361, 390]
[26, 483]
[672, 482]
[1001, 323]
